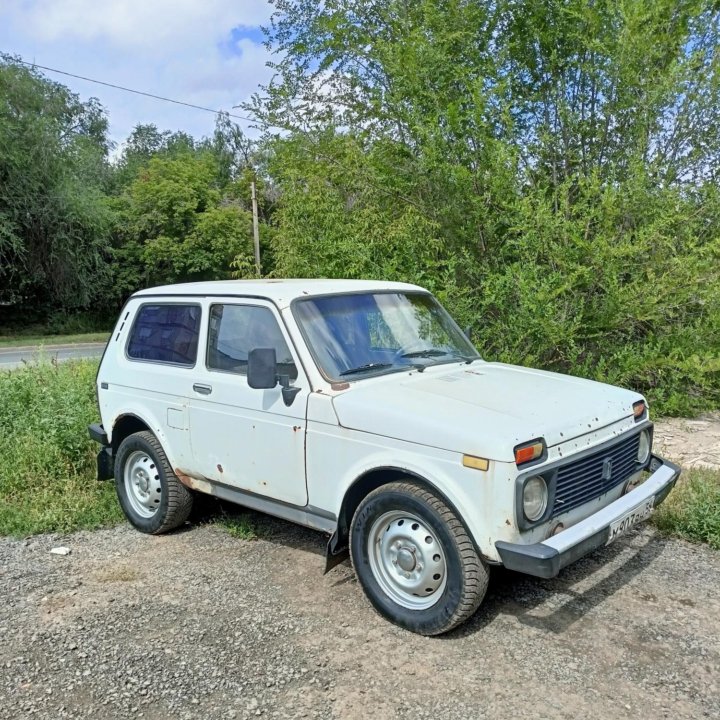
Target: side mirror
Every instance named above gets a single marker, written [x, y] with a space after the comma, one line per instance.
[262, 374]
[262, 368]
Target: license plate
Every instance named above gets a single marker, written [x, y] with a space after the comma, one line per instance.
[630, 519]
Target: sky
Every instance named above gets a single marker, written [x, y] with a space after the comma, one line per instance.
[205, 52]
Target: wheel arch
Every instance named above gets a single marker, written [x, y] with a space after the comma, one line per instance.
[360, 488]
[125, 425]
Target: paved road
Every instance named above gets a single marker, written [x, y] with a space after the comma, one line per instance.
[14, 357]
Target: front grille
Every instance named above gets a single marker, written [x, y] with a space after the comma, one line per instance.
[580, 481]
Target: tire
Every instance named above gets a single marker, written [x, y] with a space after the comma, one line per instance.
[415, 560]
[151, 496]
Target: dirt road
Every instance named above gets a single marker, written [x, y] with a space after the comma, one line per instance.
[198, 624]
[692, 443]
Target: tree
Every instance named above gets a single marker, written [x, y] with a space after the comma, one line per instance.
[145, 142]
[559, 158]
[54, 223]
[175, 224]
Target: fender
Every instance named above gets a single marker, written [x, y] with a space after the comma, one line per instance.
[148, 420]
[337, 549]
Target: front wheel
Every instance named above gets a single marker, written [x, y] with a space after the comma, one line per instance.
[415, 560]
[151, 496]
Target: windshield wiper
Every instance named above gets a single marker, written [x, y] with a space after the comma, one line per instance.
[367, 366]
[430, 352]
[437, 352]
[467, 359]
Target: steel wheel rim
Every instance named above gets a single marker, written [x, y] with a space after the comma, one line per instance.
[142, 484]
[407, 560]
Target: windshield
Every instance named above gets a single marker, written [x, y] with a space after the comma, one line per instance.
[373, 333]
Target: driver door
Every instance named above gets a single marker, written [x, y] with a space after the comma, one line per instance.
[240, 436]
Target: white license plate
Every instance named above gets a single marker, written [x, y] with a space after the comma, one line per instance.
[630, 519]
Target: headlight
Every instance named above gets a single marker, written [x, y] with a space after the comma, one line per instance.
[644, 447]
[535, 497]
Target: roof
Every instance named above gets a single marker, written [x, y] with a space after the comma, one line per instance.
[282, 292]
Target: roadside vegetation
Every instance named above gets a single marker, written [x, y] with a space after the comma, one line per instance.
[692, 511]
[240, 525]
[37, 340]
[47, 460]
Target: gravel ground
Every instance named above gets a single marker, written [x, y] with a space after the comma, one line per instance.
[198, 624]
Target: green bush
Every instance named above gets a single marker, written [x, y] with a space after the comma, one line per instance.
[47, 460]
[548, 169]
[692, 510]
[621, 286]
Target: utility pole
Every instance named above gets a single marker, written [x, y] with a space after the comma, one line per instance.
[256, 229]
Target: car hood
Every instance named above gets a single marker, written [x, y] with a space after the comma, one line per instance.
[482, 409]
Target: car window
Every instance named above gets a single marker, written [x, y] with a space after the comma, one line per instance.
[235, 330]
[165, 333]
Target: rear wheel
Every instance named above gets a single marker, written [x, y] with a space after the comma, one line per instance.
[151, 496]
[415, 560]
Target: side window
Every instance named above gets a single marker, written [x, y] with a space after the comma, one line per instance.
[235, 330]
[165, 333]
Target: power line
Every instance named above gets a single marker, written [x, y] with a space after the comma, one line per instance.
[136, 92]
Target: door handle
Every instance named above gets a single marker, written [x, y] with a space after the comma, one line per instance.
[202, 388]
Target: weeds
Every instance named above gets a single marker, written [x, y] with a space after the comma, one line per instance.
[47, 460]
[242, 527]
[692, 511]
[47, 464]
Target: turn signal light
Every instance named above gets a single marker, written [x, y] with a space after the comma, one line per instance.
[477, 463]
[639, 409]
[531, 451]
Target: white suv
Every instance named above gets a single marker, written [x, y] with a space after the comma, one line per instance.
[361, 409]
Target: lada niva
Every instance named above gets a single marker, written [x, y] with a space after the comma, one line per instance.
[361, 409]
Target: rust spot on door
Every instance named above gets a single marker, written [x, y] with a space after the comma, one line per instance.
[297, 427]
[219, 467]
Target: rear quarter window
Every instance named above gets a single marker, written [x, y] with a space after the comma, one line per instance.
[165, 333]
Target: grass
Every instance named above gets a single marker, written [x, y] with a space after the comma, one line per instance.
[240, 526]
[692, 510]
[22, 340]
[47, 460]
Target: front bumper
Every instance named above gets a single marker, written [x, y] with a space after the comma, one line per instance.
[545, 559]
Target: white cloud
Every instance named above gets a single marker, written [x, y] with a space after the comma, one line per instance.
[147, 24]
[182, 49]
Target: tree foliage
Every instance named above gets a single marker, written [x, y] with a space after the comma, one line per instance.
[179, 209]
[549, 167]
[53, 218]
